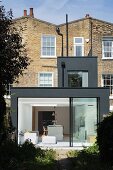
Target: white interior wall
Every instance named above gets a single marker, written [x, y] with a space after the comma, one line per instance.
[24, 117]
[20, 118]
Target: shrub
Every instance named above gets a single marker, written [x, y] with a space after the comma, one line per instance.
[105, 138]
[88, 159]
[9, 154]
[27, 151]
[25, 157]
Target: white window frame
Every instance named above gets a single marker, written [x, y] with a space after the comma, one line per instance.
[47, 56]
[102, 83]
[109, 39]
[45, 73]
[78, 44]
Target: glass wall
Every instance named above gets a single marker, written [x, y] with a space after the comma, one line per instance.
[84, 117]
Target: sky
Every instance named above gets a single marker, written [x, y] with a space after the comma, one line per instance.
[54, 11]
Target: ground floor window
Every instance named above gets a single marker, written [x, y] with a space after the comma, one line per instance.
[45, 79]
[107, 81]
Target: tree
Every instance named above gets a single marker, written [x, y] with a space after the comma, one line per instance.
[105, 138]
[13, 58]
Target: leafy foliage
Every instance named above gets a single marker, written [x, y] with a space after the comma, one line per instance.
[105, 138]
[13, 60]
[25, 157]
[13, 56]
[88, 159]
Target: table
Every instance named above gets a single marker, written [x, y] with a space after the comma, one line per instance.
[56, 130]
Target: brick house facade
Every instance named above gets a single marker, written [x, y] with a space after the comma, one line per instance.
[87, 37]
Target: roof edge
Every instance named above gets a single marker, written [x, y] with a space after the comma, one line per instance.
[23, 17]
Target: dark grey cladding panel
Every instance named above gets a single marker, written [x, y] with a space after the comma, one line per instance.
[59, 92]
[101, 93]
[80, 64]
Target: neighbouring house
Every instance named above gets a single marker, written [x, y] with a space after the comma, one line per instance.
[68, 114]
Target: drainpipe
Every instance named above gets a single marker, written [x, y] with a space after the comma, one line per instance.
[67, 34]
[59, 33]
[91, 38]
[63, 67]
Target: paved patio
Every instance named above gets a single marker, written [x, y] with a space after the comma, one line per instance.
[63, 145]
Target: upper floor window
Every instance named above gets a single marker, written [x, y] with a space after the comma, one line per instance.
[45, 79]
[107, 48]
[107, 81]
[48, 46]
[78, 46]
[78, 79]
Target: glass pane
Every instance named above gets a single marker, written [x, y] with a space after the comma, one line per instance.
[47, 39]
[43, 51]
[84, 119]
[52, 44]
[44, 39]
[74, 80]
[45, 79]
[84, 79]
[78, 40]
[48, 51]
[48, 45]
[78, 50]
[52, 51]
[44, 44]
[107, 54]
[52, 41]
[77, 79]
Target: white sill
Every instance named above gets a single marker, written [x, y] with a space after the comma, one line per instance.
[111, 97]
[48, 57]
[107, 58]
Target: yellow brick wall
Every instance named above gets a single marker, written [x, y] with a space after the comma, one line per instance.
[33, 30]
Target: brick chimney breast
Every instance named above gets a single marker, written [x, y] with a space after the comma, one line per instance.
[31, 12]
[25, 12]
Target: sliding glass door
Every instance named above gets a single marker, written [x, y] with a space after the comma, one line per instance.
[84, 114]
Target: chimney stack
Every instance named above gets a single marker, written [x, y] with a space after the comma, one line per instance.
[31, 12]
[25, 12]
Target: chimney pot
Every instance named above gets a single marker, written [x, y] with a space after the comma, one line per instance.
[87, 16]
[31, 12]
[25, 12]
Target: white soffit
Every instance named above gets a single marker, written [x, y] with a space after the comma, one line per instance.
[44, 101]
